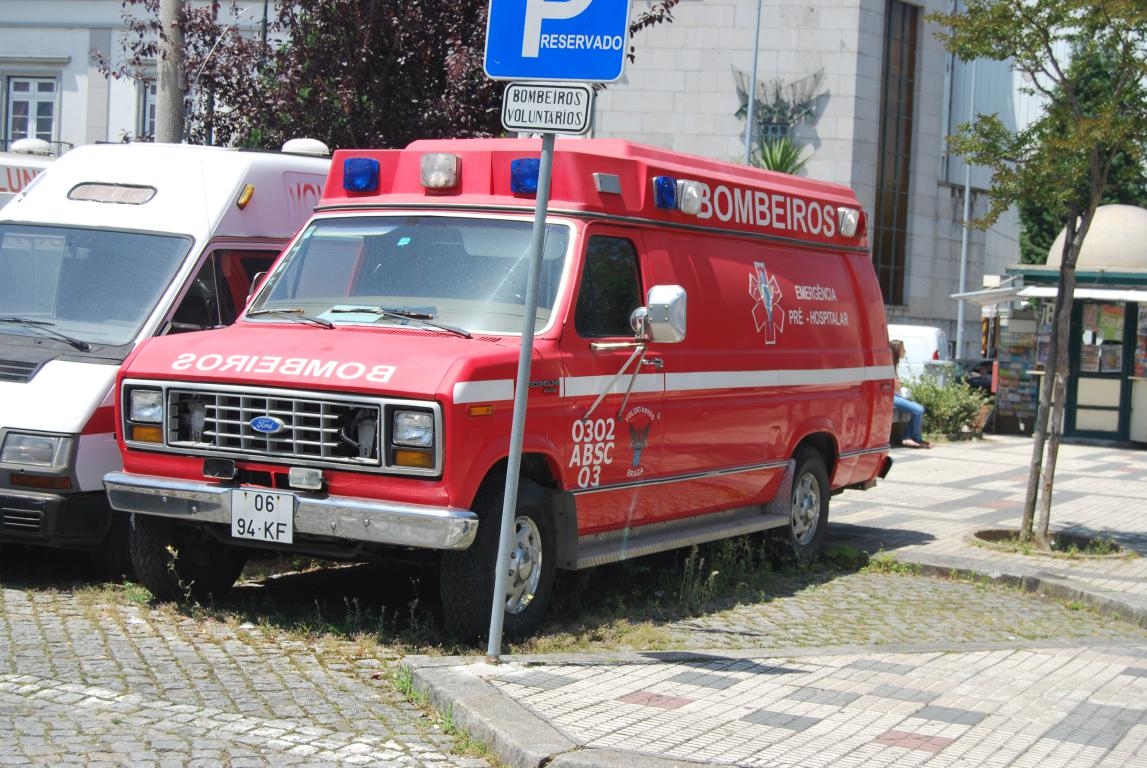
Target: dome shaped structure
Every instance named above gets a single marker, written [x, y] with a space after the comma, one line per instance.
[1117, 240]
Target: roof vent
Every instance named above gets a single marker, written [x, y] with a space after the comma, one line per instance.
[32, 147]
[307, 147]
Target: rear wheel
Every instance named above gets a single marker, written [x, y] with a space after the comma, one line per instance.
[808, 523]
[467, 577]
[177, 562]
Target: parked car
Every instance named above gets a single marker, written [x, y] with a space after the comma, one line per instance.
[976, 372]
[926, 349]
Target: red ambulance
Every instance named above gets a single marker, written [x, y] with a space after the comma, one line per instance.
[362, 405]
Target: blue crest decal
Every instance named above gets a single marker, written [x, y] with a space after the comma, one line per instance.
[268, 425]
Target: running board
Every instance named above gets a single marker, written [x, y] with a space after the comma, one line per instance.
[614, 546]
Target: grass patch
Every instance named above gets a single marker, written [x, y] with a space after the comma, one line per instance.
[882, 562]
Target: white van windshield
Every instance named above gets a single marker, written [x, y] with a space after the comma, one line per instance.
[82, 286]
[468, 273]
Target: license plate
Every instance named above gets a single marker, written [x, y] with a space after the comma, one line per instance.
[263, 516]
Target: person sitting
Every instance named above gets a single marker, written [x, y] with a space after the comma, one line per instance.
[913, 436]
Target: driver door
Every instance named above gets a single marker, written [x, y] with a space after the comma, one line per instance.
[612, 394]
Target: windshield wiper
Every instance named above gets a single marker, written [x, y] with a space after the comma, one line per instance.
[293, 313]
[46, 327]
[423, 316]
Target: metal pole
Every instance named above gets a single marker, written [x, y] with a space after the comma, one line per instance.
[521, 390]
[967, 219]
[752, 108]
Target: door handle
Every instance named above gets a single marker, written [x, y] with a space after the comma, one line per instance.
[656, 362]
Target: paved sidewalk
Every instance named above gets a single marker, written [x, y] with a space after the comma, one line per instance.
[962, 703]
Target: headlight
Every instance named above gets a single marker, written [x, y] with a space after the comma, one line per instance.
[36, 450]
[146, 405]
[413, 428]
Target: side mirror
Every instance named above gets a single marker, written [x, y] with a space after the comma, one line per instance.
[663, 318]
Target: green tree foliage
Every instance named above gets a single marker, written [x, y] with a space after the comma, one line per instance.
[1064, 159]
[1127, 182]
[359, 73]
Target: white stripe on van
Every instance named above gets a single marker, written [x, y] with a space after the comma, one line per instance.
[685, 382]
[588, 386]
[484, 391]
[592, 386]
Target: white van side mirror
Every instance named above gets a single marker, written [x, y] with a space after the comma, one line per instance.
[258, 278]
[662, 319]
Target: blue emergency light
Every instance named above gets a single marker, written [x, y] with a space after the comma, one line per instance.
[360, 174]
[665, 192]
[524, 175]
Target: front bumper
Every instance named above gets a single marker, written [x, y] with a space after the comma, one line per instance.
[339, 517]
[69, 521]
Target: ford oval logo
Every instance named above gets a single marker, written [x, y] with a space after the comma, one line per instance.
[268, 425]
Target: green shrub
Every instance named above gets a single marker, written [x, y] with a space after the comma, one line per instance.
[949, 408]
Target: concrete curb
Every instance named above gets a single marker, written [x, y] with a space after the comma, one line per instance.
[517, 736]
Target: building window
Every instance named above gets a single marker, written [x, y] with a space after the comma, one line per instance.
[894, 149]
[145, 128]
[31, 108]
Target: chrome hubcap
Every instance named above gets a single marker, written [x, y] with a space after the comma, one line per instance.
[806, 509]
[525, 565]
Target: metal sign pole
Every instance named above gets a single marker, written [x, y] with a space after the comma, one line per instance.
[521, 391]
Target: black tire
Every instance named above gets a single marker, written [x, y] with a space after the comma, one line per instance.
[112, 558]
[808, 520]
[467, 577]
[179, 563]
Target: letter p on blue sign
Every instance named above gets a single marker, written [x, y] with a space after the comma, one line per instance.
[572, 40]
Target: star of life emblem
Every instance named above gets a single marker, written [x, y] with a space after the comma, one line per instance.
[768, 314]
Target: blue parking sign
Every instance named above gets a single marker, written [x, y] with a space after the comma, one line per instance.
[573, 40]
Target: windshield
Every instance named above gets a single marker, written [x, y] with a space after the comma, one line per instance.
[90, 285]
[450, 273]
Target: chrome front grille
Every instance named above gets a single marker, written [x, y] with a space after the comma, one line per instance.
[307, 428]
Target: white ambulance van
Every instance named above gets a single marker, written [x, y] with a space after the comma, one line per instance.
[119, 242]
[361, 406]
[20, 167]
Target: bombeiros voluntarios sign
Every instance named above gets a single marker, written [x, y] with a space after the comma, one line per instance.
[547, 107]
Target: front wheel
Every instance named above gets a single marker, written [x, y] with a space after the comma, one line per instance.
[467, 577]
[808, 523]
[177, 562]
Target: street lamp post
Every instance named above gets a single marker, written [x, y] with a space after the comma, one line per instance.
[752, 108]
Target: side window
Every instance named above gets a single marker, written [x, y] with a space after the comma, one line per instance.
[610, 288]
[219, 289]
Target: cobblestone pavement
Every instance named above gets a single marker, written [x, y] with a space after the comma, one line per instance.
[87, 681]
[866, 669]
[911, 671]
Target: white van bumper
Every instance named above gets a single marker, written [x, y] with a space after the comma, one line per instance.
[340, 517]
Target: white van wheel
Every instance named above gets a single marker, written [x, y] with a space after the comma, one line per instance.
[809, 518]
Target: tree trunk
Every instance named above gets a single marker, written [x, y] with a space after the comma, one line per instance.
[1061, 331]
[169, 84]
[1038, 475]
[1055, 430]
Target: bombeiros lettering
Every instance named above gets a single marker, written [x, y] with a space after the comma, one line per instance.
[302, 367]
[770, 210]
